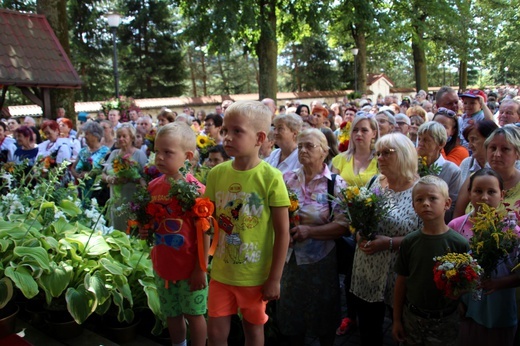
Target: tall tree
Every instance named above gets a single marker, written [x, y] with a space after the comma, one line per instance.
[152, 60]
[56, 13]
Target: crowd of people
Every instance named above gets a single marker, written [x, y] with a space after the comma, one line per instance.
[437, 159]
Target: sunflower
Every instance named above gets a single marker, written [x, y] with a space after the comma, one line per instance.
[204, 141]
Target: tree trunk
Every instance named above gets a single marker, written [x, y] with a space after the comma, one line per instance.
[267, 50]
[56, 13]
[224, 78]
[192, 74]
[361, 62]
[204, 74]
[419, 54]
[463, 75]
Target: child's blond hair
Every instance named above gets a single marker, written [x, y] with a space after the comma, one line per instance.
[258, 114]
[182, 131]
[432, 180]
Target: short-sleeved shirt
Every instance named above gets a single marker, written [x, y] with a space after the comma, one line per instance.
[243, 201]
[346, 170]
[175, 252]
[415, 261]
[290, 163]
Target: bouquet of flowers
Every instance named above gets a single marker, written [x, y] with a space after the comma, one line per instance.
[456, 273]
[424, 169]
[294, 218]
[203, 144]
[122, 103]
[344, 135]
[125, 169]
[493, 237]
[138, 217]
[365, 209]
[150, 171]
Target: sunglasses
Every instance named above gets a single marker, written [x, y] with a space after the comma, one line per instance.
[446, 111]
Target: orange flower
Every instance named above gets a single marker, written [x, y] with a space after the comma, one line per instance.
[130, 225]
[203, 207]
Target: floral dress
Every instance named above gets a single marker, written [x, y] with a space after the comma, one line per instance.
[373, 276]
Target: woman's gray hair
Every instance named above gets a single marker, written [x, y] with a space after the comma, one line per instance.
[436, 130]
[129, 127]
[510, 132]
[292, 120]
[93, 128]
[316, 134]
[405, 150]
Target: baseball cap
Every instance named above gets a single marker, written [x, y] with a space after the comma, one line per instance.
[474, 94]
[400, 117]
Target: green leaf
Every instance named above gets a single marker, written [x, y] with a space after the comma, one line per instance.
[6, 291]
[96, 284]
[47, 205]
[149, 287]
[115, 267]
[36, 253]
[95, 245]
[81, 303]
[57, 279]
[61, 225]
[23, 280]
[69, 208]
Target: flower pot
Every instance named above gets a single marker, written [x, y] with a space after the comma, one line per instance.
[120, 332]
[35, 313]
[62, 326]
[8, 319]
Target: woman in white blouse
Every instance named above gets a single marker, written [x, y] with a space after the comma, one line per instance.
[286, 128]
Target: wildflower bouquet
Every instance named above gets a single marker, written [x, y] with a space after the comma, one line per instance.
[456, 273]
[294, 218]
[344, 135]
[424, 169]
[365, 209]
[125, 169]
[121, 103]
[493, 237]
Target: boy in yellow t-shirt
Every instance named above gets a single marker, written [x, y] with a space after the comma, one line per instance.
[251, 206]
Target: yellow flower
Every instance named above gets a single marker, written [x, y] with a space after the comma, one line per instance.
[451, 273]
[204, 141]
[294, 206]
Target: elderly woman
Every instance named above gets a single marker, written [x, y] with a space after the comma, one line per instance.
[432, 138]
[90, 159]
[359, 163]
[7, 145]
[452, 151]
[27, 148]
[165, 117]
[373, 276]
[311, 265]
[502, 152]
[54, 150]
[122, 188]
[386, 122]
[318, 115]
[286, 128]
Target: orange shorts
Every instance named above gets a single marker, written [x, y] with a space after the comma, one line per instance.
[225, 300]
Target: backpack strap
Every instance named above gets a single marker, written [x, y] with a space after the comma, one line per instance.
[330, 192]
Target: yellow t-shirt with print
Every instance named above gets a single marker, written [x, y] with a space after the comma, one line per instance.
[242, 208]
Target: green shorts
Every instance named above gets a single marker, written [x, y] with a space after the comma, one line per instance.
[177, 299]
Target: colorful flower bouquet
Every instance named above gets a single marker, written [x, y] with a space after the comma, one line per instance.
[344, 135]
[365, 209]
[125, 169]
[493, 239]
[456, 273]
[122, 103]
[424, 169]
[294, 218]
[150, 171]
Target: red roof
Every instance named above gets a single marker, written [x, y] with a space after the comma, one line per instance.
[372, 78]
[31, 55]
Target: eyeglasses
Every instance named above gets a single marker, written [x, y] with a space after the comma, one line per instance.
[208, 125]
[446, 111]
[307, 146]
[385, 153]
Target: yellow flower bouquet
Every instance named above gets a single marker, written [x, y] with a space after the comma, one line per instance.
[494, 238]
[456, 273]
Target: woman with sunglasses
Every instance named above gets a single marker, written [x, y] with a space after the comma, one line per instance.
[453, 151]
[373, 276]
